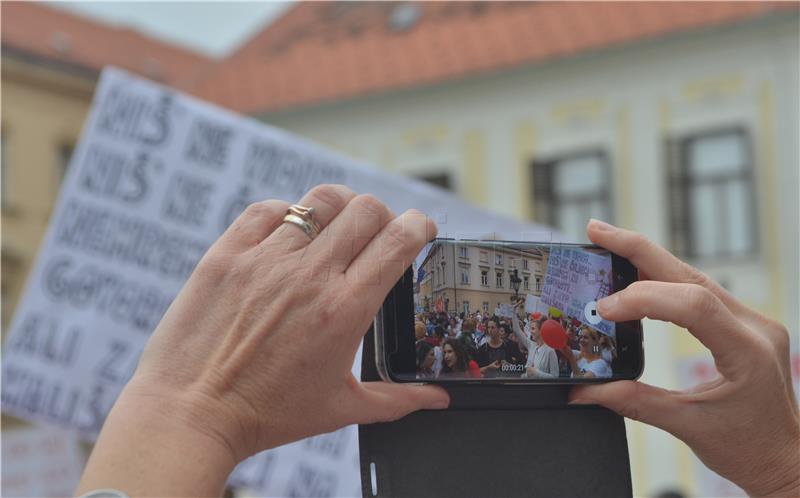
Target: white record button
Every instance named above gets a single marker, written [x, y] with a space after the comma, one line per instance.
[591, 314]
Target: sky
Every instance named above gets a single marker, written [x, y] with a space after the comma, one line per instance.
[212, 28]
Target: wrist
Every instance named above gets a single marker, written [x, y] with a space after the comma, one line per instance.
[788, 488]
[782, 479]
[153, 445]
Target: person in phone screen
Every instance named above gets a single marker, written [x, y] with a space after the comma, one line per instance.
[420, 331]
[587, 362]
[456, 361]
[542, 361]
[426, 355]
[608, 348]
[494, 351]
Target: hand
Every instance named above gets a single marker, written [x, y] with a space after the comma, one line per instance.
[256, 350]
[745, 424]
[493, 365]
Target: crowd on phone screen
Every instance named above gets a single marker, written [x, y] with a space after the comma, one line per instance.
[479, 345]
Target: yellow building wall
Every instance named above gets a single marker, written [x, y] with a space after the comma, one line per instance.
[43, 112]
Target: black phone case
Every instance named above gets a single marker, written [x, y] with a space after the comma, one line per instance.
[495, 441]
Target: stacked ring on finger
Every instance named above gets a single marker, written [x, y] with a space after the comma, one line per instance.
[303, 217]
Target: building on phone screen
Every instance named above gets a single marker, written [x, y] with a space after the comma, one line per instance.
[468, 278]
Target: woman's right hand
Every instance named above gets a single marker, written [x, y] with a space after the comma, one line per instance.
[745, 424]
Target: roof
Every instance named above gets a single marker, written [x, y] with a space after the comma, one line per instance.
[320, 52]
[34, 30]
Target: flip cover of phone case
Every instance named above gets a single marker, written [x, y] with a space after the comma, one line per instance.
[495, 442]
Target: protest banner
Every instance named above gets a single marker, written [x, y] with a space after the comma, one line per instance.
[156, 177]
[505, 310]
[534, 304]
[574, 278]
[40, 462]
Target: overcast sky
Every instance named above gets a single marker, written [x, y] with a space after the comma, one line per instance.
[213, 28]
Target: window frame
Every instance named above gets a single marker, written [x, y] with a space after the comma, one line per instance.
[680, 184]
[66, 149]
[547, 202]
[441, 178]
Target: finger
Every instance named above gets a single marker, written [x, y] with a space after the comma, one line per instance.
[327, 200]
[386, 257]
[384, 401]
[634, 400]
[653, 260]
[345, 237]
[255, 224]
[688, 305]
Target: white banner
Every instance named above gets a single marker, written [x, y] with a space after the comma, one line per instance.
[40, 462]
[156, 178]
[576, 277]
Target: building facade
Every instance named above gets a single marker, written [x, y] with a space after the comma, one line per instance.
[50, 65]
[469, 278]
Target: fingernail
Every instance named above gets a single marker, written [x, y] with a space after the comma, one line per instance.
[607, 304]
[602, 225]
[579, 401]
[439, 404]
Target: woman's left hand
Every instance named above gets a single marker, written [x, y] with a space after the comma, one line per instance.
[257, 349]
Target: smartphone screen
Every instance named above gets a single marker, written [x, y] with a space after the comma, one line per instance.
[508, 312]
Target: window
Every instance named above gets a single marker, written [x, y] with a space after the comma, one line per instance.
[569, 190]
[526, 282]
[538, 284]
[485, 278]
[524, 264]
[499, 279]
[439, 179]
[464, 276]
[484, 257]
[712, 205]
[486, 306]
[64, 156]
[462, 252]
[512, 262]
[465, 307]
[498, 259]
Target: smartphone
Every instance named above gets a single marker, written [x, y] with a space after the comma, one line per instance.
[507, 312]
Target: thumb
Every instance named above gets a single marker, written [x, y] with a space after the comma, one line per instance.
[633, 400]
[385, 402]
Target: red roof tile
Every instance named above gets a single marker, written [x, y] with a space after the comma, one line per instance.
[327, 51]
[36, 30]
